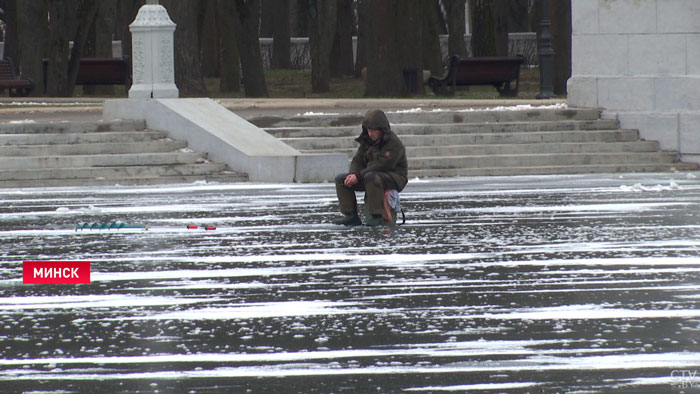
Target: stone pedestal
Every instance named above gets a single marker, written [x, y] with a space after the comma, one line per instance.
[639, 60]
[153, 61]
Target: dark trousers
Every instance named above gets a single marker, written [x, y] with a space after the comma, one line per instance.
[373, 184]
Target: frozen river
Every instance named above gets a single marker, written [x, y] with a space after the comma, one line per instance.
[519, 285]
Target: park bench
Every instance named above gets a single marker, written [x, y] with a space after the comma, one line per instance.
[496, 71]
[100, 71]
[10, 81]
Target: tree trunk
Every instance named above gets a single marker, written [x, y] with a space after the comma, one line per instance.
[87, 12]
[209, 39]
[430, 39]
[362, 28]
[483, 29]
[501, 26]
[63, 62]
[281, 44]
[126, 13]
[188, 71]
[456, 26]
[230, 63]
[322, 21]
[12, 48]
[246, 27]
[384, 68]
[99, 41]
[561, 43]
[519, 16]
[268, 8]
[33, 38]
[441, 17]
[299, 18]
[410, 27]
[342, 62]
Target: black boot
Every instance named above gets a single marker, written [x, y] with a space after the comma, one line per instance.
[374, 220]
[351, 219]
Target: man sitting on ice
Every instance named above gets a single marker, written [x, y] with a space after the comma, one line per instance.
[379, 165]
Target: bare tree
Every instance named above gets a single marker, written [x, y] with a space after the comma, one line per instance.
[561, 43]
[281, 44]
[456, 25]
[430, 39]
[246, 28]
[34, 40]
[384, 67]
[483, 29]
[342, 54]
[67, 19]
[126, 13]
[519, 16]
[410, 27]
[99, 40]
[362, 29]
[299, 18]
[322, 21]
[230, 63]
[501, 27]
[188, 71]
[12, 48]
[209, 43]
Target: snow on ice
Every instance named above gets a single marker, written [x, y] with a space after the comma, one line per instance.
[547, 283]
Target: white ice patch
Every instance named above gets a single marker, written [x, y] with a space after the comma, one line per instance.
[260, 311]
[638, 187]
[483, 386]
[91, 301]
[311, 113]
[628, 362]
[46, 104]
[520, 107]
[585, 312]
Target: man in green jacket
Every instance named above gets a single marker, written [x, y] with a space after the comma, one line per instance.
[379, 164]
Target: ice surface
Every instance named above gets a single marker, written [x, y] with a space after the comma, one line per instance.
[518, 284]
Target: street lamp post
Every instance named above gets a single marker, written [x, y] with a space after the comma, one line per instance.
[546, 53]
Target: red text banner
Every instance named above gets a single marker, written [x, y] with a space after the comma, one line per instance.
[56, 272]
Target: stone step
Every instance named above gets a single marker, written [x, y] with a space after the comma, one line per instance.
[100, 153]
[81, 138]
[126, 181]
[113, 172]
[550, 170]
[93, 148]
[447, 128]
[427, 116]
[541, 160]
[510, 149]
[334, 143]
[71, 127]
[105, 160]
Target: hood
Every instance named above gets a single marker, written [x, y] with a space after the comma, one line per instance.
[375, 119]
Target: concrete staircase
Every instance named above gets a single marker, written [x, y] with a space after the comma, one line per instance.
[486, 142]
[100, 153]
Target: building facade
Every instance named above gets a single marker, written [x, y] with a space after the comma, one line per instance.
[639, 60]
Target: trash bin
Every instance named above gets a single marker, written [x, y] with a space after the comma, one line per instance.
[411, 79]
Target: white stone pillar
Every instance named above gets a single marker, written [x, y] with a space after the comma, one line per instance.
[153, 60]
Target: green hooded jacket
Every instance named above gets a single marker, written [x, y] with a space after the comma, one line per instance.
[387, 155]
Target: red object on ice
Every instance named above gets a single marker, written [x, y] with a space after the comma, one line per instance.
[191, 227]
[210, 228]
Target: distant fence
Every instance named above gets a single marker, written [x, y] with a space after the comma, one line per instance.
[518, 44]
